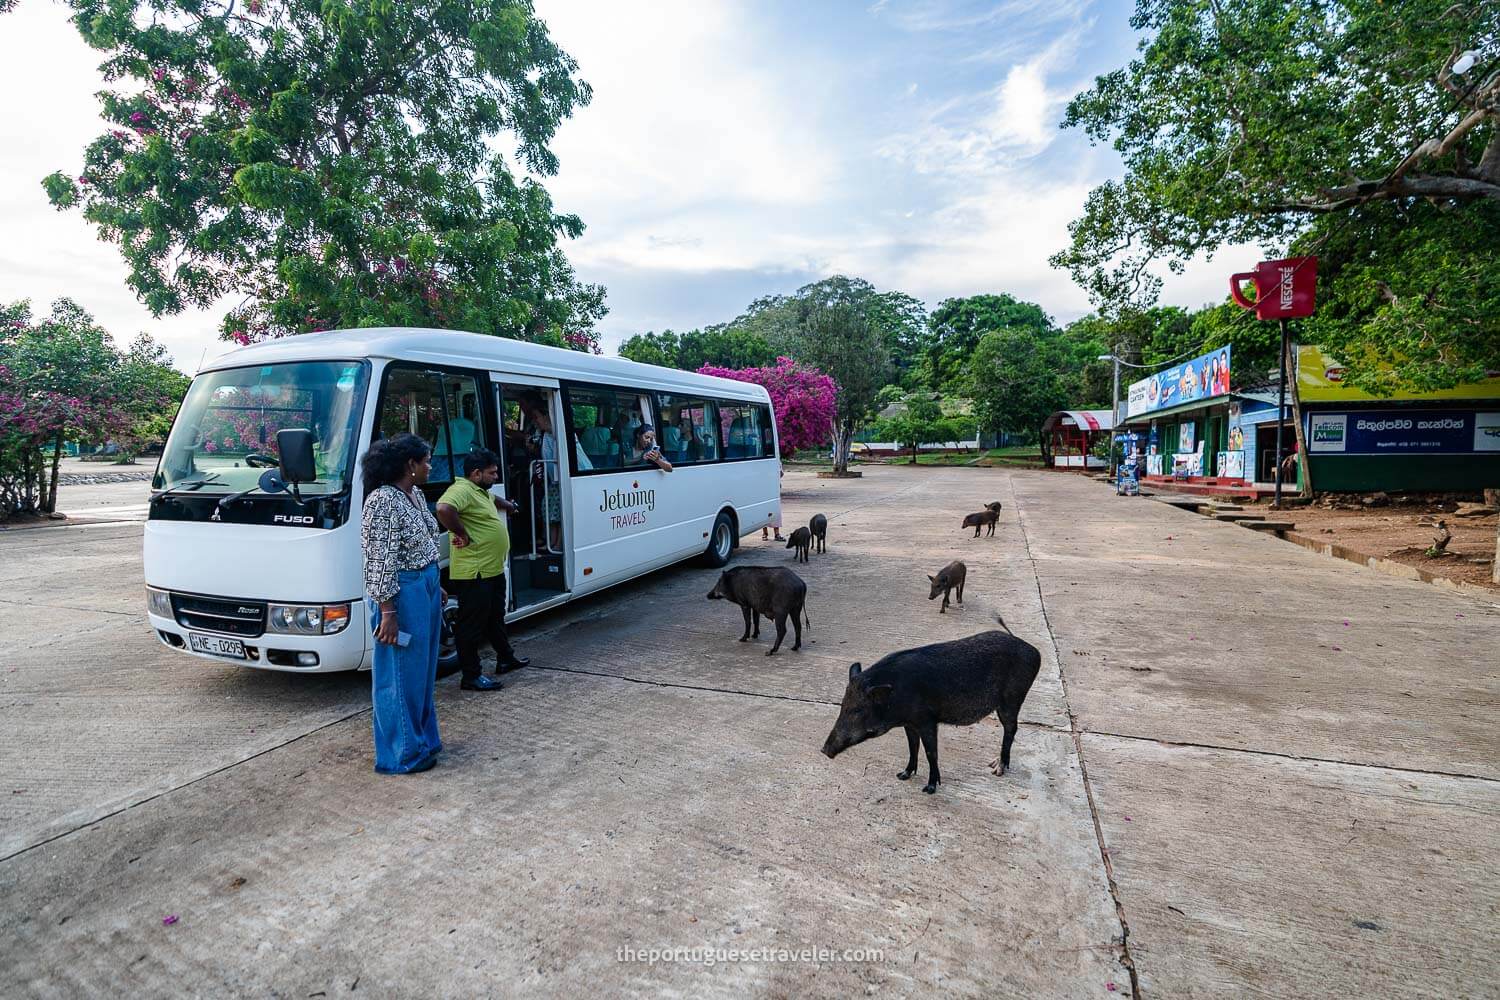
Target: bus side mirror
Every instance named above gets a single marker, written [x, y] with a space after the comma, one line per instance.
[296, 448]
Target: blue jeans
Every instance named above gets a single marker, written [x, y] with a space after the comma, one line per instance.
[405, 719]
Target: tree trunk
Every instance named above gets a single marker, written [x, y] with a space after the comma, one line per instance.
[1291, 378]
[914, 447]
[57, 447]
[31, 479]
[841, 446]
[1492, 499]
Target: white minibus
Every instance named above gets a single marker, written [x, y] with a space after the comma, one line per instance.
[253, 556]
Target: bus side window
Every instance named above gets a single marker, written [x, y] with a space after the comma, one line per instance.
[767, 439]
[412, 403]
[465, 426]
[742, 429]
[442, 410]
[685, 429]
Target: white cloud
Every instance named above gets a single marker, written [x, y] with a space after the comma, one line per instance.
[50, 115]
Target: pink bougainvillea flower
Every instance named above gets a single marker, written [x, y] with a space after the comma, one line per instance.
[169, 920]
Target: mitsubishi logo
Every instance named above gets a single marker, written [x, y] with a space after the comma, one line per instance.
[215, 515]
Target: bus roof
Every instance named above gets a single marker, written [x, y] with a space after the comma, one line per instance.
[479, 351]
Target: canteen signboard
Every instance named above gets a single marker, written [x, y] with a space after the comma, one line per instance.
[1201, 378]
[1403, 432]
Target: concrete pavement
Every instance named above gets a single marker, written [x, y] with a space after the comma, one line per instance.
[1264, 813]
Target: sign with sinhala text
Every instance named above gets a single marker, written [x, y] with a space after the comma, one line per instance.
[1403, 432]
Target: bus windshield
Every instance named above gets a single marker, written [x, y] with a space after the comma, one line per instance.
[225, 432]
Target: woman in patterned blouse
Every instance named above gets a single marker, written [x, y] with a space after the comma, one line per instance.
[399, 537]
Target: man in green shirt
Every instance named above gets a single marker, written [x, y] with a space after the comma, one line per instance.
[476, 570]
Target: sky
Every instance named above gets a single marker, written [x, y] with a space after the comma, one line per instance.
[732, 150]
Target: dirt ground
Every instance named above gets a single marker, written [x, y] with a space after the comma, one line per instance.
[1402, 532]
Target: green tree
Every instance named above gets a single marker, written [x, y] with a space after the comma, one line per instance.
[331, 163]
[840, 341]
[957, 325]
[725, 347]
[149, 389]
[652, 348]
[1014, 381]
[903, 324]
[918, 422]
[62, 379]
[1359, 130]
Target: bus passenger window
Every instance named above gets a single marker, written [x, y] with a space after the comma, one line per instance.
[744, 434]
[604, 425]
[412, 403]
[685, 429]
[465, 427]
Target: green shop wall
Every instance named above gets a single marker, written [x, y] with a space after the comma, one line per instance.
[1395, 473]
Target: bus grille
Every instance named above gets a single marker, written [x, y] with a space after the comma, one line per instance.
[217, 614]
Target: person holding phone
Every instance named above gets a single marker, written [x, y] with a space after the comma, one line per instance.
[398, 535]
[645, 449]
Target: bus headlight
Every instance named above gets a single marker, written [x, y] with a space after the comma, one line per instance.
[335, 618]
[159, 602]
[307, 619]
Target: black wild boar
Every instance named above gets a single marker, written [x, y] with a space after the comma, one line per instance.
[773, 591]
[990, 515]
[954, 683]
[819, 528]
[950, 577]
[799, 540]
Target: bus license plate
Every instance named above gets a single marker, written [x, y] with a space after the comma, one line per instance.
[216, 646]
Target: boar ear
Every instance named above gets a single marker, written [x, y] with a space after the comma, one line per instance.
[853, 671]
[880, 693]
[931, 578]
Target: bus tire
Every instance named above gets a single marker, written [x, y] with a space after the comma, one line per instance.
[720, 541]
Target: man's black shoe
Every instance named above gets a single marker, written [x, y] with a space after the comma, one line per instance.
[514, 663]
[481, 683]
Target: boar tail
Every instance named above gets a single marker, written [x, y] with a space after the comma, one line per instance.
[1002, 624]
[806, 618]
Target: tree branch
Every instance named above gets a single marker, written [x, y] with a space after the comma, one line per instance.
[1420, 186]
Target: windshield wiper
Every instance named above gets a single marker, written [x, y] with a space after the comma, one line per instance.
[270, 483]
[191, 484]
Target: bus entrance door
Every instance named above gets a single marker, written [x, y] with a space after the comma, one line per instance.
[530, 411]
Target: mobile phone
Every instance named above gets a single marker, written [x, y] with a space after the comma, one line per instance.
[403, 639]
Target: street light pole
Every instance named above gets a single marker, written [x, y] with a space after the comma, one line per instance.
[1114, 410]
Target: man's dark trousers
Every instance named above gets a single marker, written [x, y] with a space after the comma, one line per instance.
[481, 617]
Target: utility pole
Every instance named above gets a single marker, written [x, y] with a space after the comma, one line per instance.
[1114, 411]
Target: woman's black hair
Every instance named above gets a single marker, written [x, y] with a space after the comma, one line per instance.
[642, 429]
[385, 461]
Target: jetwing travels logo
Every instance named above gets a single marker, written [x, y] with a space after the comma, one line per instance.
[633, 505]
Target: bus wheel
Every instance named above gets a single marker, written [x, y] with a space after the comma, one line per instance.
[720, 542]
[447, 662]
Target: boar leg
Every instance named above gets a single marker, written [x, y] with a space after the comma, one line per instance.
[797, 624]
[944, 609]
[755, 616]
[1002, 763]
[780, 633]
[976, 531]
[911, 762]
[746, 636]
[960, 592]
[929, 743]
